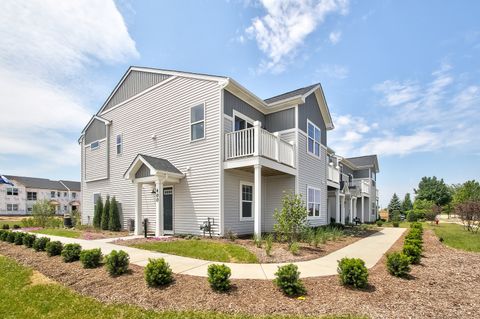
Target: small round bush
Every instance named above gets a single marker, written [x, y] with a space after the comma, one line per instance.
[414, 242]
[54, 248]
[395, 224]
[158, 273]
[40, 243]
[28, 240]
[398, 264]
[16, 226]
[5, 226]
[71, 252]
[288, 280]
[117, 262]
[11, 237]
[379, 223]
[2, 234]
[412, 252]
[219, 277]
[19, 238]
[352, 272]
[417, 225]
[414, 233]
[91, 258]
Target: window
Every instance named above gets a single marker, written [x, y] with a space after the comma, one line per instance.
[313, 139]
[58, 194]
[12, 191]
[119, 143]
[241, 123]
[74, 195]
[246, 201]
[94, 145]
[64, 194]
[313, 202]
[52, 194]
[64, 208]
[31, 195]
[95, 198]
[197, 122]
[12, 207]
[29, 209]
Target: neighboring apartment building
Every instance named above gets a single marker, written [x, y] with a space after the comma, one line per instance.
[19, 199]
[183, 149]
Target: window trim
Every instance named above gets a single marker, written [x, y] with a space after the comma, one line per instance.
[319, 142]
[12, 191]
[11, 210]
[236, 113]
[247, 219]
[117, 144]
[92, 148]
[314, 203]
[197, 122]
[32, 197]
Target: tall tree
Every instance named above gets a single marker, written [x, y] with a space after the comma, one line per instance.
[466, 192]
[97, 213]
[114, 222]
[106, 214]
[395, 206]
[407, 203]
[435, 190]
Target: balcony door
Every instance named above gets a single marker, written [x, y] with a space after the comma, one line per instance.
[241, 122]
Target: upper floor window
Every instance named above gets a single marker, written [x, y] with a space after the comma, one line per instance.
[52, 194]
[12, 191]
[197, 122]
[94, 145]
[74, 195]
[31, 195]
[64, 194]
[246, 201]
[58, 194]
[313, 202]
[313, 139]
[119, 143]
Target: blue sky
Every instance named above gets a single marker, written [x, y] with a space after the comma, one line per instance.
[402, 78]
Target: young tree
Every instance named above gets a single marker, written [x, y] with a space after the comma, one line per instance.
[114, 222]
[466, 192]
[42, 212]
[435, 190]
[394, 205]
[407, 203]
[98, 212]
[106, 214]
[292, 219]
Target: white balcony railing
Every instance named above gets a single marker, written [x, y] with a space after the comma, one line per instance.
[256, 141]
[363, 185]
[333, 174]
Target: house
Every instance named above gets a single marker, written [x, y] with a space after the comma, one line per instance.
[182, 150]
[19, 199]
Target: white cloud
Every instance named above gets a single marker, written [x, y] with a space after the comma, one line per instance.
[285, 26]
[333, 71]
[396, 93]
[334, 37]
[47, 50]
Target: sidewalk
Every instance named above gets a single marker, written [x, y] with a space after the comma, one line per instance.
[370, 249]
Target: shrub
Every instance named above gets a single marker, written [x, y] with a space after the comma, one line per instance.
[117, 262]
[412, 252]
[40, 243]
[292, 219]
[398, 264]
[97, 213]
[268, 244]
[71, 252]
[440, 239]
[417, 225]
[257, 240]
[219, 277]
[414, 242]
[11, 237]
[395, 224]
[91, 258]
[19, 238]
[412, 216]
[352, 272]
[105, 214]
[16, 226]
[288, 280]
[5, 226]
[42, 213]
[2, 233]
[379, 223]
[294, 248]
[158, 273]
[114, 223]
[231, 235]
[28, 240]
[54, 248]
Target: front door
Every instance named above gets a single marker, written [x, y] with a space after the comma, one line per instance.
[168, 209]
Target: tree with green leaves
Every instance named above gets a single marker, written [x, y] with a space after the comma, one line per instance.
[466, 192]
[106, 214]
[97, 213]
[114, 222]
[291, 221]
[435, 190]
[42, 212]
[407, 203]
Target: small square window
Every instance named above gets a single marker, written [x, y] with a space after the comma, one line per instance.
[94, 145]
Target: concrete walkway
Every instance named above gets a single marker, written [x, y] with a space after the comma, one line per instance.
[370, 249]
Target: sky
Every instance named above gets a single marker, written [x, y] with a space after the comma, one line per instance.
[401, 78]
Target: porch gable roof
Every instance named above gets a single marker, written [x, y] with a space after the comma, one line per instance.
[157, 166]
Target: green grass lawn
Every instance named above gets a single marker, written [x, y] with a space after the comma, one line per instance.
[401, 225]
[202, 249]
[21, 300]
[59, 232]
[456, 236]
[10, 223]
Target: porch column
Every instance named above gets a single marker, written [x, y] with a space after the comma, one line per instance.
[159, 209]
[355, 207]
[362, 218]
[342, 218]
[337, 206]
[257, 125]
[257, 199]
[351, 210]
[138, 209]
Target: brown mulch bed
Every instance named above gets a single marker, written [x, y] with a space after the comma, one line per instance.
[280, 252]
[92, 234]
[444, 285]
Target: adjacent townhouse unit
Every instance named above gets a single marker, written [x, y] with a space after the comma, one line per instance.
[186, 152]
[19, 199]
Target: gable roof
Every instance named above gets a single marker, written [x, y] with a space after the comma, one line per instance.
[156, 166]
[294, 93]
[41, 183]
[161, 164]
[364, 161]
[71, 185]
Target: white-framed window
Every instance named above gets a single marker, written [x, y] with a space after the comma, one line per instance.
[29, 209]
[65, 208]
[58, 194]
[52, 194]
[94, 145]
[197, 122]
[119, 143]
[313, 144]
[74, 195]
[313, 202]
[241, 121]
[65, 194]
[246, 201]
[12, 207]
[12, 191]
[95, 198]
[31, 195]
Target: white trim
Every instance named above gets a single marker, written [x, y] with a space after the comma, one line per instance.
[236, 113]
[92, 148]
[99, 141]
[290, 130]
[314, 202]
[169, 232]
[245, 219]
[296, 149]
[198, 122]
[314, 141]
[95, 179]
[228, 117]
[223, 116]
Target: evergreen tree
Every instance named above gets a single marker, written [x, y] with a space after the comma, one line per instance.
[106, 214]
[407, 203]
[114, 222]
[435, 190]
[394, 206]
[98, 212]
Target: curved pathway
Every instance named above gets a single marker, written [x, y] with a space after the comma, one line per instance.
[370, 249]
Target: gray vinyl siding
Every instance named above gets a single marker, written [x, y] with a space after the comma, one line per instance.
[96, 131]
[280, 121]
[347, 170]
[363, 173]
[232, 102]
[143, 171]
[96, 162]
[227, 126]
[276, 188]
[165, 112]
[134, 83]
[311, 111]
[312, 171]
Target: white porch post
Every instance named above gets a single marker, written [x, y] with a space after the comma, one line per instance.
[342, 218]
[362, 218]
[257, 125]
[257, 199]
[159, 209]
[351, 210]
[337, 206]
[138, 209]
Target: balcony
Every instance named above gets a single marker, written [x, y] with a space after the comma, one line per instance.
[333, 173]
[363, 186]
[257, 142]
